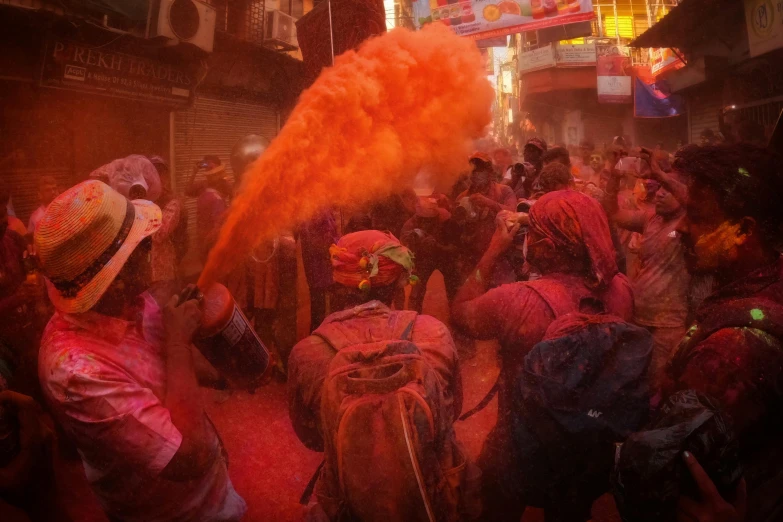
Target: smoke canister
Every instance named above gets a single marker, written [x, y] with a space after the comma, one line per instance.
[228, 341]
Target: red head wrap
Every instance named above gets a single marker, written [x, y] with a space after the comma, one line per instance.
[369, 258]
[577, 224]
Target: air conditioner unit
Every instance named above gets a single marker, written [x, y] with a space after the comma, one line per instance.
[280, 29]
[187, 21]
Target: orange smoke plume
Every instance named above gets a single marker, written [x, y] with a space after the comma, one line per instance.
[404, 102]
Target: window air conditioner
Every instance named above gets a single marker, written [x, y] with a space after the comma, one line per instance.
[187, 21]
[280, 29]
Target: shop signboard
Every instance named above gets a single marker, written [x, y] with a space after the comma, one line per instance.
[537, 59]
[664, 60]
[575, 55]
[86, 68]
[481, 19]
[764, 19]
[613, 67]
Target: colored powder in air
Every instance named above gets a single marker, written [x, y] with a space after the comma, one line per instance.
[405, 102]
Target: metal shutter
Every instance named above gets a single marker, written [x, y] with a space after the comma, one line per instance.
[703, 108]
[213, 126]
[601, 130]
[24, 187]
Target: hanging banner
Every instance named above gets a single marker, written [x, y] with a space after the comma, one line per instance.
[613, 66]
[575, 55]
[481, 19]
[764, 19]
[664, 60]
[541, 58]
[654, 100]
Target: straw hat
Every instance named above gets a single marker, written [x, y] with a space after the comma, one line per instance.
[85, 238]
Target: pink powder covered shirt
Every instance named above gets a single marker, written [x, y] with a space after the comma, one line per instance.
[104, 379]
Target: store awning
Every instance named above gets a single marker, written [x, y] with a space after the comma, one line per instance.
[560, 79]
[693, 22]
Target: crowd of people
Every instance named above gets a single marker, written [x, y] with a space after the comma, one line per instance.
[620, 284]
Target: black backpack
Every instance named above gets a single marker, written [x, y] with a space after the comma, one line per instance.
[581, 390]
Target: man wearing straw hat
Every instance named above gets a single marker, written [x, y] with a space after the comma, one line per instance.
[118, 373]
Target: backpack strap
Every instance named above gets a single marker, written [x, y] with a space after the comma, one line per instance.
[400, 323]
[307, 494]
[555, 295]
[484, 402]
[408, 318]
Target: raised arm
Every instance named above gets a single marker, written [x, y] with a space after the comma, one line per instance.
[473, 308]
[197, 450]
[632, 220]
[670, 183]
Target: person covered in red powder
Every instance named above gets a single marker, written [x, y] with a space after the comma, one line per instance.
[482, 202]
[734, 351]
[430, 235]
[118, 373]
[570, 246]
[661, 281]
[18, 299]
[367, 267]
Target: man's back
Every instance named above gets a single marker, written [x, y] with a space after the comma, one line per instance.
[370, 322]
[518, 315]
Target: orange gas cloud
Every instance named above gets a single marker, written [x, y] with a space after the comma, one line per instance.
[404, 102]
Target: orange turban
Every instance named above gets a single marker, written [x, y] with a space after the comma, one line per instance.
[370, 258]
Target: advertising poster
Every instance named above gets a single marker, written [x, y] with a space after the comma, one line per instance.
[654, 100]
[764, 19]
[664, 60]
[613, 66]
[541, 58]
[575, 55]
[481, 19]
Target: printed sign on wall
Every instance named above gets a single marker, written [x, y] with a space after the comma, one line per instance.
[764, 19]
[614, 74]
[490, 18]
[79, 67]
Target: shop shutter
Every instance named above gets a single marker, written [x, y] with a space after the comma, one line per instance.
[764, 112]
[704, 104]
[599, 129]
[213, 126]
[24, 187]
